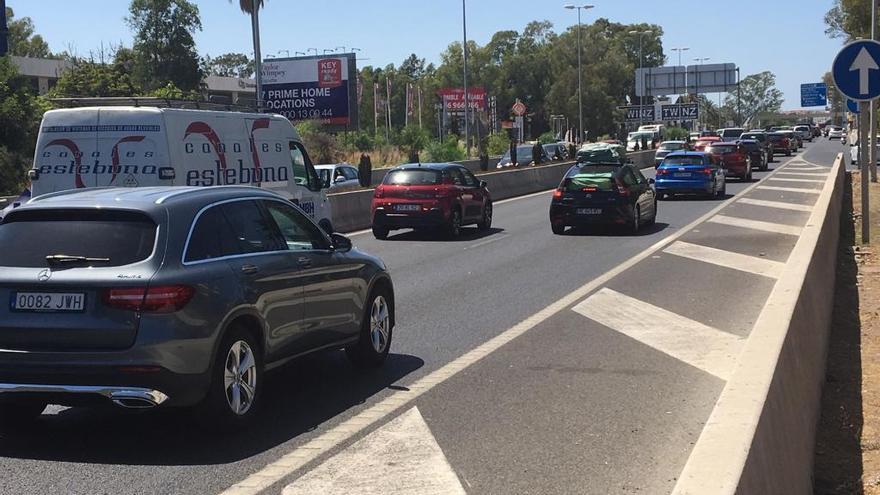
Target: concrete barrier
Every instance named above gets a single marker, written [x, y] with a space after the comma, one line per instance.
[351, 209]
[760, 437]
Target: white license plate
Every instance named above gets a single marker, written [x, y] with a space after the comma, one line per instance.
[686, 174]
[407, 207]
[47, 301]
[589, 211]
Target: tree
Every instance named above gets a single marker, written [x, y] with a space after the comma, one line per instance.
[88, 78]
[758, 94]
[231, 65]
[164, 48]
[849, 19]
[22, 40]
[20, 113]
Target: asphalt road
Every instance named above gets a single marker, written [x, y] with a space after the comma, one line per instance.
[568, 406]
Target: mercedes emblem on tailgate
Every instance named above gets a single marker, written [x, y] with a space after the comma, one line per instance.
[44, 275]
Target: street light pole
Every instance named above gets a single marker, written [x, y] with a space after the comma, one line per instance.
[641, 71]
[675, 75]
[467, 113]
[873, 138]
[580, 71]
[699, 62]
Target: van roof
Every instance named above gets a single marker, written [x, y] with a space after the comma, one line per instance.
[143, 198]
[158, 110]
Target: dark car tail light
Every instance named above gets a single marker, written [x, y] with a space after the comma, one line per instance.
[557, 194]
[662, 171]
[707, 171]
[160, 299]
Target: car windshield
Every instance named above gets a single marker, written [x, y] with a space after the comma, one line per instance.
[683, 160]
[721, 148]
[751, 146]
[413, 177]
[105, 237]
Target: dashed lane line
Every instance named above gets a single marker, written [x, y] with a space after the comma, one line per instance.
[776, 204]
[692, 342]
[789, 189]
[776, 228]
[727, 259]
[804, 181]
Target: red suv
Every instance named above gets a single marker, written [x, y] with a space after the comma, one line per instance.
[430, 195]
[733, 158]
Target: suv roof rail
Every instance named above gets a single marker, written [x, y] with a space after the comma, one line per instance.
[150, 101]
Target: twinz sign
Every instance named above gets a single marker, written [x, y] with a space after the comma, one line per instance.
[639, 114]
[686, 111]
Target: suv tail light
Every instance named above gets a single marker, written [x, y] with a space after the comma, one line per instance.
[379, 192]
[161, 299]
[557, 194]
[661, 171]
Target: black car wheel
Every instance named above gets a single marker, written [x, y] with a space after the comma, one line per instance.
[486, 222]
[380, 232]
[372, 347]
[653, 219]
[236, 383]
[788, 153]
[557, 228]
[636, 222]
[453, 228]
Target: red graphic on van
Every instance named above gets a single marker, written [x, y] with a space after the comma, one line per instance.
[330, 73]
[114, 154]
[258, 124]
[77, 156]
[205, 130]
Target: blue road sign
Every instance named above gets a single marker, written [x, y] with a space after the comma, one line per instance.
[814, 95]
[856, 70]
[852, 106]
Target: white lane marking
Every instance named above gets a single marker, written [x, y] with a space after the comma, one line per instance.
[698, 345]
[789, 189]
[728, 259]
[808, 174]
[776, 228]
[488, 241]
[401, 457]
[805, 181]
[804, 167]
[775, 204]
[296, 459]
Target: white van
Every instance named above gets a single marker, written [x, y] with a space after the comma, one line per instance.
[659, 130]
[146, 146]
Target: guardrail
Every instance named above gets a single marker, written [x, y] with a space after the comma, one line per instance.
[351, 209]
[761, 434]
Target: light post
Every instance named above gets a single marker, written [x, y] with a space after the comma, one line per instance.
[467, 103]
[315, 49]
[675, 75]
[580, 72]
[285, 51]
[299, 53]
[641, 34]
[699, 62]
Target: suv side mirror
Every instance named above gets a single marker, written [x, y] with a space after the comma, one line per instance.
[340, 243]
[339, 179]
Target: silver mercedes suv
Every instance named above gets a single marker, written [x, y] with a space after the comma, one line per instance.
[173, 296]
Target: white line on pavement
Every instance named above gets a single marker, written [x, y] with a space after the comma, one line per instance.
[776, 204]
[809, 174]
[488, 241]
[776, 228]
[789, 189]
[698, 345]
[806, 181]
[728, 259]
[804, 167]
[320, 445]
[401, 457]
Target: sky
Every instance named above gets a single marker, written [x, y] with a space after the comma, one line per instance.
[784, 36]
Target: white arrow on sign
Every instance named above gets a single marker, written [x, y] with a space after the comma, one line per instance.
[864, 63]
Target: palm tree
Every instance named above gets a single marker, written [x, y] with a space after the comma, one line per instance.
[252, 7]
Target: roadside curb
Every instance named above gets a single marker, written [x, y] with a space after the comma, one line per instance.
[761, 433]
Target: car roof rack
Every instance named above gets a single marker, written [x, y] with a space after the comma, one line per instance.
[150, 101]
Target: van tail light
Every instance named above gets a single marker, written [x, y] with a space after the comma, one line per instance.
[160, 299]
[379, 192]
[557, 194]
[621, 188]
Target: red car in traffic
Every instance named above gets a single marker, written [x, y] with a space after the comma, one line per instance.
[700, 144]
[733, 158]
[439, 196]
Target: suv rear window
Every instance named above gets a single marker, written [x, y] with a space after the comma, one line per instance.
[410, 177]
[683, 160]
[721, 148]
[28, 237]
[600, 181]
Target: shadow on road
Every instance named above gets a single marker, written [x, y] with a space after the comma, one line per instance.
[468, 234]
[838, 461]
[297, 399]
[616, 230]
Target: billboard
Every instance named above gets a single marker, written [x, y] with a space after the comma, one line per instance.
[453, 99]
[691, 79]
[322, 88]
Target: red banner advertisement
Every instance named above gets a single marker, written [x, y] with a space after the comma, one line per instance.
[453, 99]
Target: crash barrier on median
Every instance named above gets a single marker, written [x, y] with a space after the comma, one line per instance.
[761, 434]
[351, 210]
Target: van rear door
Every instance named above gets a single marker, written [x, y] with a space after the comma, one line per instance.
[66, 150]
[132, 148]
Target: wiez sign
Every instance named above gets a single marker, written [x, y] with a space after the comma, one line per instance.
[686, 111]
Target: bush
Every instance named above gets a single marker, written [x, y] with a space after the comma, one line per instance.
[356, 141]
[547, 138]
[413, 140]
[321, 146]
[499, 143]
[676, 134]
[449, 150]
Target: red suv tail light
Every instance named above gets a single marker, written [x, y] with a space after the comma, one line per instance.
[161, 299]
[379, 192]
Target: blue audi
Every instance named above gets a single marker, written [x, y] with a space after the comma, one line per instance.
[690, 172]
